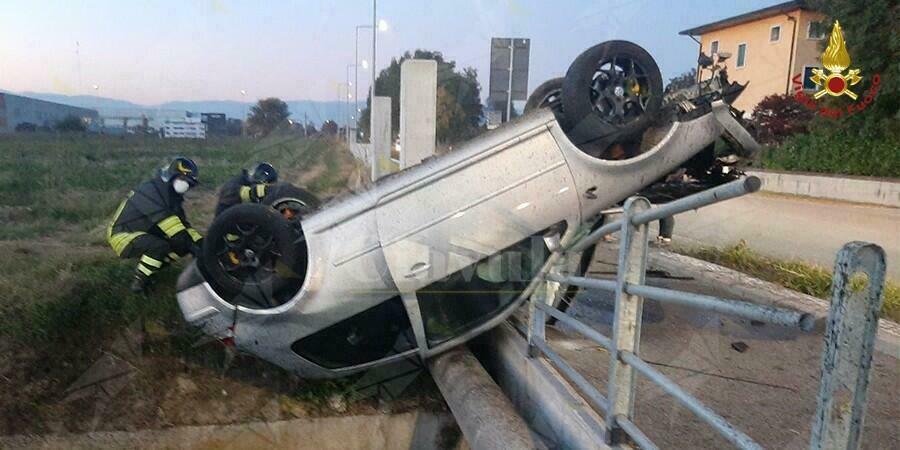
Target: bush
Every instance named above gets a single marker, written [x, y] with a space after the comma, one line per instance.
[778, 117]
[71, 124]
[842, 152]
[26, 127]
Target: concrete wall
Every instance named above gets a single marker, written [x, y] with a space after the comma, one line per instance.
[766, 65]
[381, 138]
[808, 52]
[418, 110]
[884, 192]
[15, 109]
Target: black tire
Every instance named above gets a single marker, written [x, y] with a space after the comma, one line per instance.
[547, 95]
[585, 121]
[282, 192]
[280, 270]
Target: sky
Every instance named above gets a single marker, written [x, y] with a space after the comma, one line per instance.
[150, 52]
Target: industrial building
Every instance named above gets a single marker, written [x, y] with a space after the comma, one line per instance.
[21, 112]
[187, 128]
[216, 123]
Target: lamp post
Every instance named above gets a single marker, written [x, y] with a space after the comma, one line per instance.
[356, 61]
[244, 119]
[351, 97]
[377, 25]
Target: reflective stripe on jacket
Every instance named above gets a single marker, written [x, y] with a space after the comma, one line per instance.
[154, 208]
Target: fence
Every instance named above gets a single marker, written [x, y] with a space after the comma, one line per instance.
[853, 318]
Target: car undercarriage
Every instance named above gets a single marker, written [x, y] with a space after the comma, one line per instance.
[429, 257]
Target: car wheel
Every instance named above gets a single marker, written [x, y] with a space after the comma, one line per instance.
[252, 257]
[545, 96]
[611, 92]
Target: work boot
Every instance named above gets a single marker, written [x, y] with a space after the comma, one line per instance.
[140, 284]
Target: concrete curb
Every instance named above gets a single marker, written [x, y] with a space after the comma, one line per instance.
[409, 430]
[877, 191]
[744, 287]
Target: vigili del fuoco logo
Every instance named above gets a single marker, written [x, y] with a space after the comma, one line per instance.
[833, 81]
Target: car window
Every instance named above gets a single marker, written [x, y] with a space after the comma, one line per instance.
[379, 332]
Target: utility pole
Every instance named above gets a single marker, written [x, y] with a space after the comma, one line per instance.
[352, 110]
[356, 72]
[374, 46]
[512, 57]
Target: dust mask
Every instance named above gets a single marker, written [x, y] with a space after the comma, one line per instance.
[180, 186]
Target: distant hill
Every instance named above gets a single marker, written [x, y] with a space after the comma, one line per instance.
[316, 111]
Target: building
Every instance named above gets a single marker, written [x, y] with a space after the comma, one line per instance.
[768, 47]
[21, 112]
[216, 123]
[187, 128]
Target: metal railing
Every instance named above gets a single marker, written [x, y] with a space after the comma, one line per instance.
[630, 290]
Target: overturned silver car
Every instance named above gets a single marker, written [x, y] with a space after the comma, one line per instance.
[436, 254]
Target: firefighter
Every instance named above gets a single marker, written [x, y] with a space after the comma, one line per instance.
[150, 224]
[250, 186]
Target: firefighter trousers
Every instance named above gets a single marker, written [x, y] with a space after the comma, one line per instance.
[152, 252]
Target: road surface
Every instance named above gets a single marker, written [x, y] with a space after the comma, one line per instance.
[763, 378]
[793, 227]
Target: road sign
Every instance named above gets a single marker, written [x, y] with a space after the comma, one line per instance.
[509, 72]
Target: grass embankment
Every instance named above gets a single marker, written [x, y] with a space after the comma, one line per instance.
[797, 275]
[66, 302]
[838, 153]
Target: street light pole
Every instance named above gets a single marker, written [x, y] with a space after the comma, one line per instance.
[356, 72]
[350, 97]
[374, 46]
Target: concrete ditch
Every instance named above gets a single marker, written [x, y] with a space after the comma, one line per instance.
[410, 430]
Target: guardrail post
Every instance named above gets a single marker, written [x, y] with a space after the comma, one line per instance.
[537, 322]
[849, 343]
[626, 333]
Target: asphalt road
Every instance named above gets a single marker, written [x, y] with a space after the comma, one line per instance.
[762, 378]
[794, 227]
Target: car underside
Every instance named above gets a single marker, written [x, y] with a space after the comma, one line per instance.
[429, 257]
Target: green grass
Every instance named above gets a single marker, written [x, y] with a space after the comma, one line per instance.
[56, 195]
[65, 296]
[53, 182]
[836, 153]
[797, 275]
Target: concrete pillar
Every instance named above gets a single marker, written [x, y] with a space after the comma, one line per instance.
[485, 415]
[418, 110]
[381, 137]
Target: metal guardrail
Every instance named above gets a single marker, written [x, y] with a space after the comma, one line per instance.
[630, 290]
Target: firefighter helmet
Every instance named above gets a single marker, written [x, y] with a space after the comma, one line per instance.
[181, 167]
[262, 172]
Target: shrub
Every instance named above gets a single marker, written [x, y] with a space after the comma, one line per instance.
[842, 152]
[778, 117]
[71, 124]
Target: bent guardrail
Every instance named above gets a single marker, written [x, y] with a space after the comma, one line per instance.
[847, 320]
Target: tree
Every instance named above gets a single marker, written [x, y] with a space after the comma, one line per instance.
[310, 129]
[685, 79]
[459, 108]
[329, 128]
[870, 33]
[71, 124]
[266, 115]
[779, 116]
